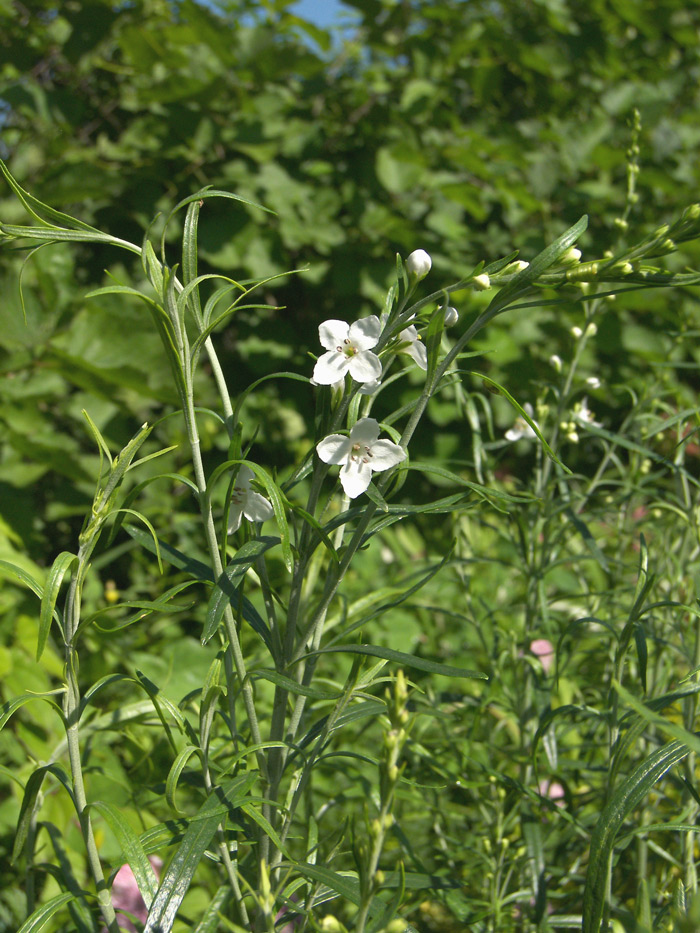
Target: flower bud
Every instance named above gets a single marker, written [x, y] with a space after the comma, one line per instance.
[593, 382]
[572, 255]
[482, 282]
[555, 361]
[330, 924]
[576, 333]
[418, 264]
[592, 329]
[692, 212]
[451, 316]
[396, 926]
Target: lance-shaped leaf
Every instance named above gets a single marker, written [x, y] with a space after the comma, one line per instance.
[199, 833]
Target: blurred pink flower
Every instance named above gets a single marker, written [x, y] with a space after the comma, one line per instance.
[544, 650]
[126, 895]
[293, 924]
[553, 790]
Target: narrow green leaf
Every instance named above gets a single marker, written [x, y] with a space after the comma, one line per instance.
[176, 770]
[549, 255]
[226, 591]
[210, 922]
[152, 267]
[132, 849]
[400, 657]
[30, 802]
[264, 824]
[524, 415]
[99, 439]
[37, 208]
[199, 833]
[190, 565]
[63, 563]
[343, 883]
[11, 706]
[625, 799]
[7, 567]
[134, 493]
[43, 914]
[673, 730]
[291, 686]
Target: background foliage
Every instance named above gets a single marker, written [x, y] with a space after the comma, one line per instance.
[468, 129]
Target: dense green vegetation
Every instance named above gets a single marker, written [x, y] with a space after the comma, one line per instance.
[470, 130]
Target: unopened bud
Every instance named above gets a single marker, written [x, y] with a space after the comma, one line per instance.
[331, 924]
[576, 332]
[482, 282]
[592, 329]
[379, 876]
[555, 361]
[571, 255]
[692, 212]
[451, 316]
[621, 223]
[396, 926]
[418, 264]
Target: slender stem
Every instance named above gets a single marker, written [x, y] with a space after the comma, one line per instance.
[71, 711]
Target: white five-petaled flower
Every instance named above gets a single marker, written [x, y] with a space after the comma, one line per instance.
[416, 347]
[361, 454]
[349, 350]
[521, 428]
[246, 502]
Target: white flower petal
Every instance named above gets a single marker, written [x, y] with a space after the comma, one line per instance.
[245, 475]
[333, 333]
[419, 353]
[369, 388]
[385, 454]
[365, 432]
[355, 477]
[235, 515]
[331, 368]
[256, 508]
[364, 333]
[513, 434]
[334, 449]
[365, 366]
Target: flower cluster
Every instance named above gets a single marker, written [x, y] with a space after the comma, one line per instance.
[349, 351]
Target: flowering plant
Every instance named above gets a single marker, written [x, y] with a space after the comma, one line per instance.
[248, 755]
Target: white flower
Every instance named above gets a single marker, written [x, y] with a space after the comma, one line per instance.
[521, 428]
[418, 264]
[584, 415]
[593, 382]
[245, 501]
[451, 316]
[482, 282]
[361, 454]
[416, 347]
[349, 350]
